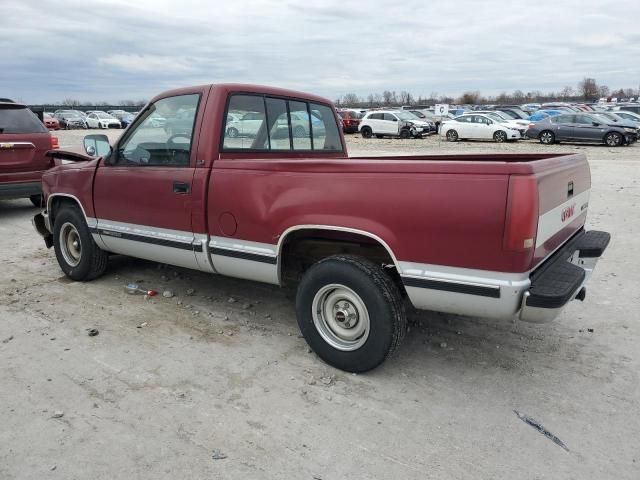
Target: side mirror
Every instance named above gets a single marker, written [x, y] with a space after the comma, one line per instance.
[96, 145]
[395, 119]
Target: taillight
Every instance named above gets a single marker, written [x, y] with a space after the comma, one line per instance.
[531, 125]
[522, 214]
[54, 142]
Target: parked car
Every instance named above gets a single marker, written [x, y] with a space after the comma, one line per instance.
[24, 140]
[498, 236]
[478, 127]
[581, 127]
[102, 120]
[116, 113]
[350, 120]
[50, 121]
[540, 114]
[513, 112]
[633, 117]
[502, 117]
[69, 119]
[392, 123]
[425, 118]
[127, 119]
[629, 108]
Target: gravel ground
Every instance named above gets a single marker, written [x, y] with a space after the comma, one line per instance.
[170, 386]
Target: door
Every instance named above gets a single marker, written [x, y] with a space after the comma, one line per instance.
[143, 192]
[585, 130]
[390, 124]
[483, 127]
[562, 126]
[376, 123]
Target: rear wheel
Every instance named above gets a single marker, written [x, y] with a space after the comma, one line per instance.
[299, 132]
[366, 132]
[613, 139]
[78, 255]
[452, 136]
[500, 136]
[350, 312]
[547, 137]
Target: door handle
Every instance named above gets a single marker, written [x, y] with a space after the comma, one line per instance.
[181, 187]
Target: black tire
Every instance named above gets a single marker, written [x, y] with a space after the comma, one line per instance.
[299, 132]
[232, 132]
[500, 136]
[383, 311]
[614, 139]
[452, 135]
[36, 200]
[405, 133]
[547, 137]
[91, 261]
[366, 132]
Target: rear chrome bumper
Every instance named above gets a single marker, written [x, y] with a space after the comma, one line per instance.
[562, 278]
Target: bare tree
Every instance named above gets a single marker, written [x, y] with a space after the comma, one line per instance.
[350, 99]
[567, 92]
[387, 97]
[588, 88]
[70, 102]
[603, 91]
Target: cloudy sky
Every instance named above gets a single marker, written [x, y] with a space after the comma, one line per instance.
[114, 50]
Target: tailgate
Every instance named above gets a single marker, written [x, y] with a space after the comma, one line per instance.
[563, 193]
[24, 152]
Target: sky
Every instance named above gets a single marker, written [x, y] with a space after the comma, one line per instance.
[114, 50]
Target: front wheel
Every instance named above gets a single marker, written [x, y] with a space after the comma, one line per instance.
[350, 312]
[500, 136]
[613, 139]
[405, 133]
[78, 255]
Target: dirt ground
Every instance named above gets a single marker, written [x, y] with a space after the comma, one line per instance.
[172, 385]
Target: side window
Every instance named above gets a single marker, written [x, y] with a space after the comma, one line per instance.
[561, 119]
[245, 123]
[376, 116]
[325, 129]
[390, 117]
[278, 119]
[583, 120]
[300, 125]
[162, 135]
[466, 119]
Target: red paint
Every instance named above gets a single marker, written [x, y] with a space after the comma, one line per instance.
[457, 210]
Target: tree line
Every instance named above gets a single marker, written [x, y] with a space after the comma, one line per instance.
[586, 90]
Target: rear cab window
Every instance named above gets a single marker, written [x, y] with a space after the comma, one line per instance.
[17, 119]
[274, 124]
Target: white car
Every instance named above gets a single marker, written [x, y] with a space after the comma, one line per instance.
[393, 123]
[102, 120]
[247, 126]
[477, 126]
[505, 119]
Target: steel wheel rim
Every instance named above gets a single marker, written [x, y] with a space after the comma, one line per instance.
[341, 317]
[70, 244]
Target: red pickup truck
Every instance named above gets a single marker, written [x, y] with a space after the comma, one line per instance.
[255, 183]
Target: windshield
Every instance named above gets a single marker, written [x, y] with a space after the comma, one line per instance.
[496, 117]
[404, 115]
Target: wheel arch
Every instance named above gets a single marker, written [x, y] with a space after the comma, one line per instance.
[57, 200]
[340, 237]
